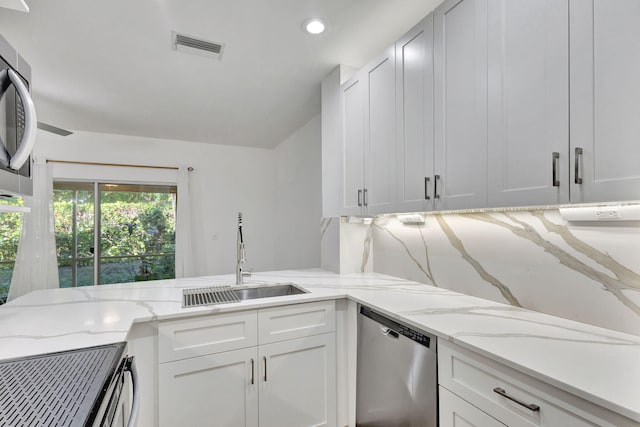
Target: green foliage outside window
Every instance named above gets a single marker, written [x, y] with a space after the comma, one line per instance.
[10, 226]
[138, 228]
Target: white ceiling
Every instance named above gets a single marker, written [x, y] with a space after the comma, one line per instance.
[108, 66]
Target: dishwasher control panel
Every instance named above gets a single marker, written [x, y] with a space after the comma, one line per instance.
[400, 329]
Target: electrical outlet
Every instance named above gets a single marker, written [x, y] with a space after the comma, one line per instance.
[610, 212]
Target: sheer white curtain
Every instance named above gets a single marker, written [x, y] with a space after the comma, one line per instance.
[36, 262]
[184, 253]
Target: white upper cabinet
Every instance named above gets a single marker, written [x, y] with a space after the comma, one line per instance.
[414, 118]
[353, 92]
[605, 100]
[368, 101]
[460, 70]
[497, 103]
[331, 143]
[528, 98]
[380, 149]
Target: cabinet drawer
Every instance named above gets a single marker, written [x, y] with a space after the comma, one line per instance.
[489, 386]
[183, 339]
[455, 412]
[296, 321]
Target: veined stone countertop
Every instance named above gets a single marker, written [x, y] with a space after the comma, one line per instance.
[599, 365]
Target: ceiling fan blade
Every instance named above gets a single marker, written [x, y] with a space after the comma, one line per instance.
[53, 129]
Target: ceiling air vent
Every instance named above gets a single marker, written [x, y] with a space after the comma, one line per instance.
[196, 46]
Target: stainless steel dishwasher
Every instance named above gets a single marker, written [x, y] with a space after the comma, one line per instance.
[397, 374]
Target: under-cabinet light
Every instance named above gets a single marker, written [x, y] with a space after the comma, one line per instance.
[413, 218]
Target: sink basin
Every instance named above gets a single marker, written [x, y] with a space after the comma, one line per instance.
[267, 291]
[214, 295]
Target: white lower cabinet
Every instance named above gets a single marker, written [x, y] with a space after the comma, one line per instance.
[510, 397]
[284, 382]
[457, 412]
[298, 382]
[212, 390]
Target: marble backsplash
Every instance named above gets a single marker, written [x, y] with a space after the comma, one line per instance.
[589, 272]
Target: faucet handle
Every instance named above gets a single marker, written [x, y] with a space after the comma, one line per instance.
[247, 273]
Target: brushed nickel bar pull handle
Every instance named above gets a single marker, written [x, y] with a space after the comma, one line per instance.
[364, 198]
[436, 178]
[252, 372]
[265, 367]
[530, 406]
[578, 178]
[426, 188]
[359, 197]
[555, 157]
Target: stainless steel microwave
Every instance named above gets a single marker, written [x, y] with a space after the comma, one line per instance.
[18, 123]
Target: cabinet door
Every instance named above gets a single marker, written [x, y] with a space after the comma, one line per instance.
[414, 118]
[353, 92]
[380, 132]
[605, 89]
[456, 412]
[528, 102]
[460, 72]
[298, 382]
[214, 390]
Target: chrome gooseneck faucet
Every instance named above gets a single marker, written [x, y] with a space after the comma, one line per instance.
[241, 260]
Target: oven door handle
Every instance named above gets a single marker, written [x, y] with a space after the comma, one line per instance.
[30, 118]
[135, 405]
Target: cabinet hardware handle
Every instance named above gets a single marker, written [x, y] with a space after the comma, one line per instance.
[426, 186]
[359, 197]
[252, 372]
[265, 367]
[365, 198]
[578, 178]
[555, 157]
[436, 178]
[530, 406]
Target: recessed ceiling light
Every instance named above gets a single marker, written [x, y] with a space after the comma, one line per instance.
[314, 26]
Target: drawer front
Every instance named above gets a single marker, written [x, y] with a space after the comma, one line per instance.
[457, 412]
[296, 321]
[503, 393]
[183, 339]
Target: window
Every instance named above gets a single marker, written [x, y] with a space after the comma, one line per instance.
[134, 232]
[10, 225]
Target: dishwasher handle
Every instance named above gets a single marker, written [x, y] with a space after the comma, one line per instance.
[388, 332]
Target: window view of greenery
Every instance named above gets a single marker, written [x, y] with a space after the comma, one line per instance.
[10, 226]
[136, 233]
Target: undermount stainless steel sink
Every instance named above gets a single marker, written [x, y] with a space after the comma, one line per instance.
[214, 295]
[268, 291]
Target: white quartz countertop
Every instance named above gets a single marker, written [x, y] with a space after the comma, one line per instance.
[599, 365]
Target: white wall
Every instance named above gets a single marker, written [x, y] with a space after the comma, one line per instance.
[278, 191]
[225, 180]
[299, 198]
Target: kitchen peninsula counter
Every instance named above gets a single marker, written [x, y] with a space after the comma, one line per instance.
[599, 365]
